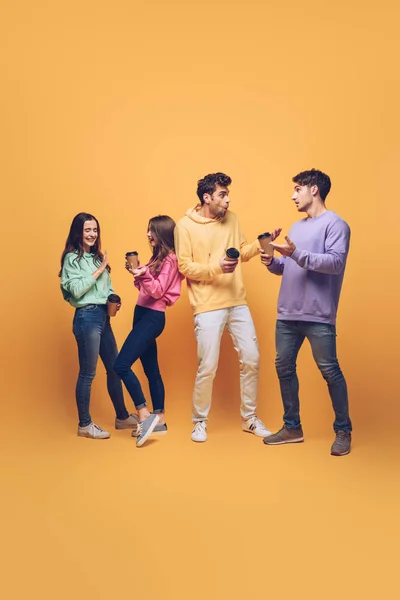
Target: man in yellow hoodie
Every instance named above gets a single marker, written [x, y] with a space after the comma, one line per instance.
[218, 297]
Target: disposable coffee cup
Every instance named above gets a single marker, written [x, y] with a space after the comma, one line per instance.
[133, 259]
[112, 301]
[265, 243]
[232, 254]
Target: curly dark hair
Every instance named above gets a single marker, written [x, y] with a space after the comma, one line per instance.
[209, 183]
[314, 177]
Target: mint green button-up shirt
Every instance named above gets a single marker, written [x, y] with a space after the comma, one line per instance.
[78, 285]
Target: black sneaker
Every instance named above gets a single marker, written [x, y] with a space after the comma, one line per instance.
[342, 443]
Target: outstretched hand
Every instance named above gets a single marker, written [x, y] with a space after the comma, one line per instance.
[276, 233]
[285, 249]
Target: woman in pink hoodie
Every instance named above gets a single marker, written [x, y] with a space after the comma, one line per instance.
[159, 285]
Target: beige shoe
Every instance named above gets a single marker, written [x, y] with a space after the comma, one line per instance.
[130, 423]
[93, 431]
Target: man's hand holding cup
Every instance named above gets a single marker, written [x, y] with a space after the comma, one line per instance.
[267, 257]
[229, 262]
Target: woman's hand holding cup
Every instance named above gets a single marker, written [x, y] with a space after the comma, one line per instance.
[132, 270]
[139, 271]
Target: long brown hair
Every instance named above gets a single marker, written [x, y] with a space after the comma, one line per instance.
[162, 227]
[74, 242]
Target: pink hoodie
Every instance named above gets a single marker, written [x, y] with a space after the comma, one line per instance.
[163, 290]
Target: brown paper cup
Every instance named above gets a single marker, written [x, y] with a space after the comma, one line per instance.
[133, 259]
[112, 301]
[265, 242]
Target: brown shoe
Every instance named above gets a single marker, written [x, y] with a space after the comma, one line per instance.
[285, 436]
[342, 443]
[130, 423]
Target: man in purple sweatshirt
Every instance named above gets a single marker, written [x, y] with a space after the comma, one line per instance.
[312, 268]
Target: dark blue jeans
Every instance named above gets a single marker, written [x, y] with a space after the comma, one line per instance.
[141, 343]
[94, 336]
[290, 336]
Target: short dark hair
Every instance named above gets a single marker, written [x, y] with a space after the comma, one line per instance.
[209, 183]
[314, 177]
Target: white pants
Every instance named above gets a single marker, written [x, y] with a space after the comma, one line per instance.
[209, 327]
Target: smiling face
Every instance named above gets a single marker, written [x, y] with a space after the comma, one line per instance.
[152, 238]
[90, 234]
[217, 202]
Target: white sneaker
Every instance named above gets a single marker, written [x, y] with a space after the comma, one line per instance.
[256, 426]
[93, 431]
[199, 433]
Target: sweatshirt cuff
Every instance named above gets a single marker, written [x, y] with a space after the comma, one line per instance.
[271, 264]
[296, 255]
[216, 269]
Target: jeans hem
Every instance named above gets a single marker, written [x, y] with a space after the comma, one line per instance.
[346, 429]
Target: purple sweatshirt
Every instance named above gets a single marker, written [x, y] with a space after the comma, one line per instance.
[312, 277]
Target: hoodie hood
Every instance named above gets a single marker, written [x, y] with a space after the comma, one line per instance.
[193, 214]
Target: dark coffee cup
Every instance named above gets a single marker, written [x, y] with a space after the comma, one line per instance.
[133, 259]
[265, 243]
[232, 254]
[112, 301]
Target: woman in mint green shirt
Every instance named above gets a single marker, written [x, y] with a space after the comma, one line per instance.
[86, 285]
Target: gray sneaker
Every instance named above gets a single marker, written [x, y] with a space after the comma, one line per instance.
[158, 430]
[342, 443]
[285, 436]
[93, 431]
[145, 429]
[130, 423]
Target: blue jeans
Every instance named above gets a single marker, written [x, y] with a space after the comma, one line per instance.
[94, 336]
[148, 324]
[290, 336]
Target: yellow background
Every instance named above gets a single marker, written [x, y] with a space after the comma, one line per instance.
[117, 108]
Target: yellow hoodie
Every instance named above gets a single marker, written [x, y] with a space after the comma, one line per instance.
[200, 243]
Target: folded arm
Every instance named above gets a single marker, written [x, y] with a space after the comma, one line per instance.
[74, 280]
